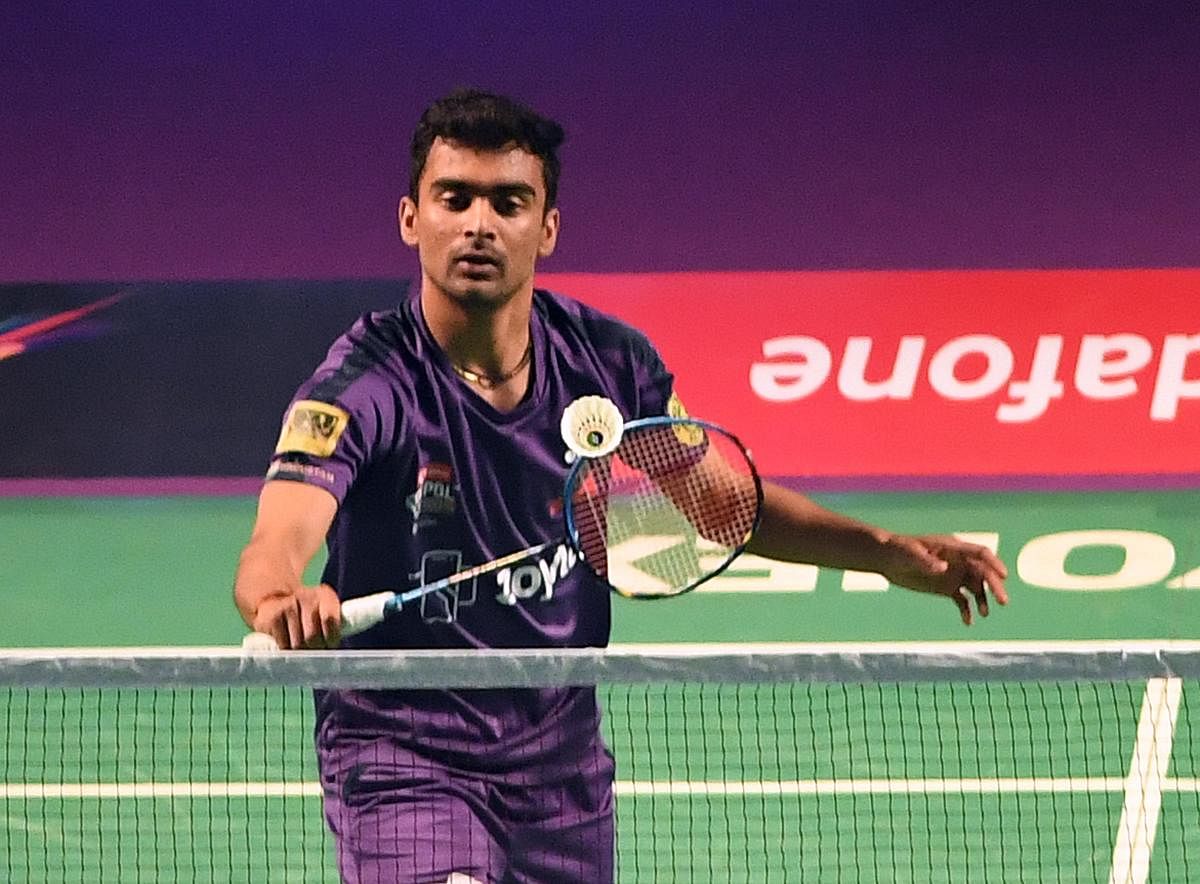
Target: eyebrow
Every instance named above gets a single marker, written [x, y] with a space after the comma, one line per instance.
[503, 188]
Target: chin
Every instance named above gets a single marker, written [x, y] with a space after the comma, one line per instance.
[478, 298]
[484, 295]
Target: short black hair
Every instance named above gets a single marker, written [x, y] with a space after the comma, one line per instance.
[486, 121]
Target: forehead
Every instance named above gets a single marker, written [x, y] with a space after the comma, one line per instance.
[509, 165]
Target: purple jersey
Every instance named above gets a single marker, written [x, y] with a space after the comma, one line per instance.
[431, 479]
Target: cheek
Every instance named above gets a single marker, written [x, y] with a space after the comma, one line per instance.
[436, 240]
[531, 240]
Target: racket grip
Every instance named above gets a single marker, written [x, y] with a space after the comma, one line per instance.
[363, 613]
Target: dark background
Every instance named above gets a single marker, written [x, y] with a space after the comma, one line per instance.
[232, 140]
[176, 379]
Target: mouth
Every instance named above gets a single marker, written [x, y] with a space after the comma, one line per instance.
[477, 262]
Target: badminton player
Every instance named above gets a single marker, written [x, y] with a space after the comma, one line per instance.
[428, 440]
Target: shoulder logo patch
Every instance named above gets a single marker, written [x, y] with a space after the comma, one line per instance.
[312, 428]
[691, 436]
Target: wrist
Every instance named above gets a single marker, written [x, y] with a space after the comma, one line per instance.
[889, 550]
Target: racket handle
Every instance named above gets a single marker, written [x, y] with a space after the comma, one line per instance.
[363, 613]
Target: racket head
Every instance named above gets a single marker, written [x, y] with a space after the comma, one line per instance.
[668, 509]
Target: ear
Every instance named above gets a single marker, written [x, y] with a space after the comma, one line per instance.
[407, 217]
[549, 234]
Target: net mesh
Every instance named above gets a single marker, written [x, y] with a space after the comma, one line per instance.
[753, 766]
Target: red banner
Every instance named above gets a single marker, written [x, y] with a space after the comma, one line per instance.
[931, 373]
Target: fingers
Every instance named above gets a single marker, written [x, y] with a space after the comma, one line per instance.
[991, 561]
[989, 573]
[310, 618]
[330, 613]
[979, 589]
[995, 581]
[320, 617]
[962, 601]
[981, 583]
[295, 625]
[275, 627]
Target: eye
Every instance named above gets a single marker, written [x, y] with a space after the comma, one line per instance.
[507, 205]
[456, 200]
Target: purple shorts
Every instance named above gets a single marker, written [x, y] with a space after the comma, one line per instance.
[398, 816]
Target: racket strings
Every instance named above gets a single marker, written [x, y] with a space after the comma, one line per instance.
[672, 504]
[589, 502]
[707, 478]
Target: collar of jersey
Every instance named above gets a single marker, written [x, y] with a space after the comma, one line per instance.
[537, 390]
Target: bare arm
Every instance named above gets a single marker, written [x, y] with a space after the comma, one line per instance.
[797, 529]
[293, 519]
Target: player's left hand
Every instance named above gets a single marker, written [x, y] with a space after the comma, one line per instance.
[946, 566]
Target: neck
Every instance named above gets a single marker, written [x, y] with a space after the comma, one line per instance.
[488, 340]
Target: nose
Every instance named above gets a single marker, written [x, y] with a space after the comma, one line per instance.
[481, 219]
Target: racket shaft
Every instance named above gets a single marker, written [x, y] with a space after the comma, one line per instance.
[362, 613]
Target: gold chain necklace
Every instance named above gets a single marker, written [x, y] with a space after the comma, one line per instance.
[491, 381]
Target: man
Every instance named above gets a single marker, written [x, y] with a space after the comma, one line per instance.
[428, 441]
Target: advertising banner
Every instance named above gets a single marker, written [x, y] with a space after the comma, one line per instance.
[936, 374]
[870, 376]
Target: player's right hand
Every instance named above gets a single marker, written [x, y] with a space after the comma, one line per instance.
[310, 617]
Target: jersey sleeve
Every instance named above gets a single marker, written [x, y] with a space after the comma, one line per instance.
[337, 422]
[655, 384]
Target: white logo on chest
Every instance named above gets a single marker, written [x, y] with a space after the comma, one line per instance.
[541, 576]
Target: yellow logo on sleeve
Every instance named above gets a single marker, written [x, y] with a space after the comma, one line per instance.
[312, 428]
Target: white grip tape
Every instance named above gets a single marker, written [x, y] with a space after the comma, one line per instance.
[363, 613]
